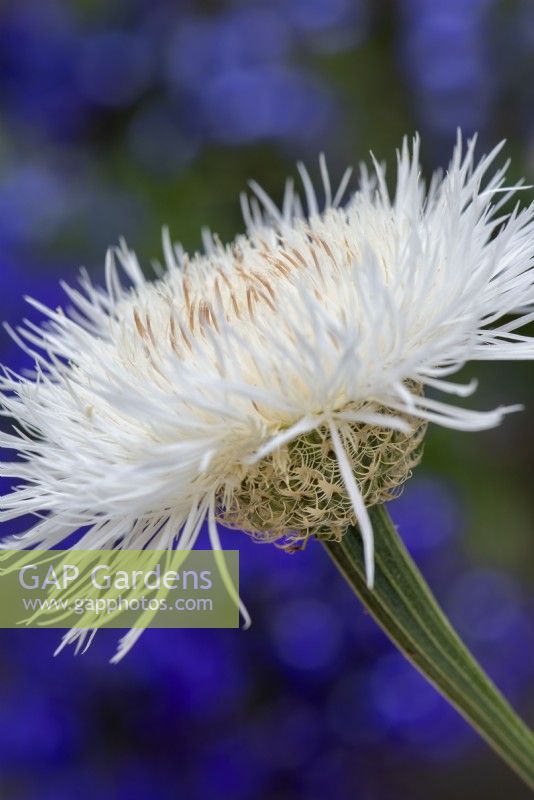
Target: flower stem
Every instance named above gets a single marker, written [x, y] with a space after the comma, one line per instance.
[403, 605]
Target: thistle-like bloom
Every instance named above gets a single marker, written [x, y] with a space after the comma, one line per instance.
[278, 384]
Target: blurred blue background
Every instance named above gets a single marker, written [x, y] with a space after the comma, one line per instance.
[119, 116]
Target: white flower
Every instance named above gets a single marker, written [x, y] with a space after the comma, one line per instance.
[154, 404]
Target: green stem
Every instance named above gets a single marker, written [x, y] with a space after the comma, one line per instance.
[405, 608]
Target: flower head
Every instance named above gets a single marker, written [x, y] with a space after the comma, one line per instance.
[277, 384]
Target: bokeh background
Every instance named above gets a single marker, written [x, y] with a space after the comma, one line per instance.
[119, 116]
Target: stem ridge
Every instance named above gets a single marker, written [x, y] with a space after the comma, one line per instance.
[405, 608]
